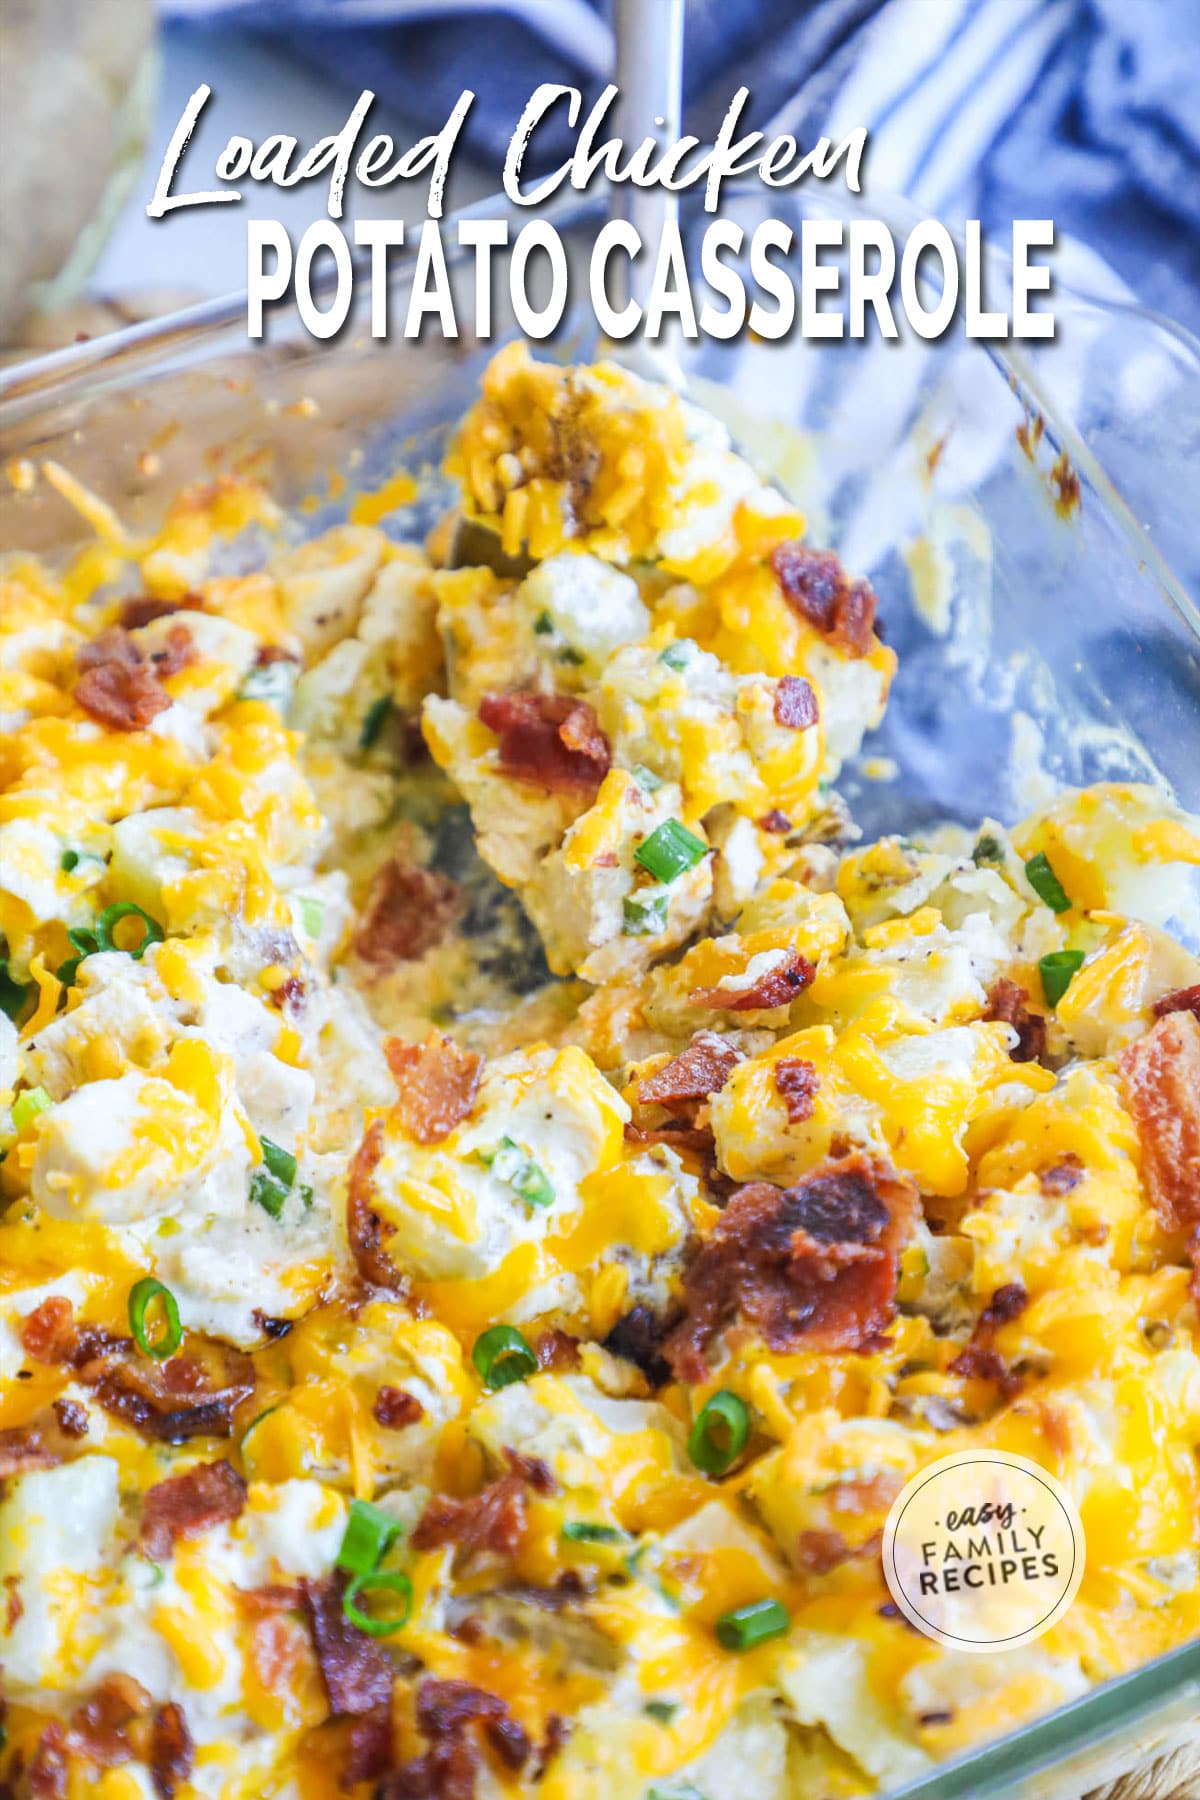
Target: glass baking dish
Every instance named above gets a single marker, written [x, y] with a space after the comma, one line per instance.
[1027, 515]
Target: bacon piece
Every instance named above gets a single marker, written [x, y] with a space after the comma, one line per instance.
[812, 1266]
[395, 1408]
[817, 588]
[408, 911]
[171, 1750]
[120, 697]
[979, 1359]
[23, 1448]
[556, 1349]
[364, 1228]
[493, 1520]
[1160, 1080]
[437, 1082]
[446, 1711]
[99, 1729]
[112, 645]
[369, 1747]
[638, 1338]
[795, 703]
[696, 1073]
[778, 987]
[289, 996]
[48, 1333]
[47, 1779]
[775, 822]
[184, 1505]
[1061, 1177]
[194, 1394]
[1182, 1000]
[144, 609]
[355, 1668]
[552, 740]
[72, 1418]
[796, 1083]
[177, 653]
[1006, 1005]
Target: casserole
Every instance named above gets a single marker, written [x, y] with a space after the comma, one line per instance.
[926, 473]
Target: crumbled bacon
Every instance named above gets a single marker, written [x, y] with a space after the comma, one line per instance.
[696, 1073]
[813, 1265]
[408, 912]
[796, 1083]
[122, 697]
[778, 987]
[795, 703]
[979, 1359]
[816, 587]
[552, 740]
[775, 822]
[72, 1418]
[364, 1228]
[99, 1729]
[183, 1505]
[112, 645]
[1006, 1004]
[47, 1779]
[1181, 1000]
[193, 1394]
[437, 1085]
[355, 1668]
[48, 1333]
[446, 1711]
[177, 652]
[556, 1349]
[493, 1520]
[145, 609]
[289, 996]
[395, 1408]
[369, 1749]
[638, 1337]
[23, 1448]
[1061, 1177]
[171, 1750]
[1160, 1079]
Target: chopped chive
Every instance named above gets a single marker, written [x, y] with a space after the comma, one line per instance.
[280, 1162]
[587, 1531]
[1045, 883]
[987, 849]
[678, 656]
[663, 1711]
[646, 779]
[747, 1626]
[369, 1534]
[312, 914]
[379, 1581]
[70, 860]
[645, 914]
[374, 720]
[142, 1295]
[28, 1105]
[272, 682]
[268, 1193]
[670, 850]
[1057, 972]
[273, 1181]
[502, 1356]
[13, 994]
[525, 1177]
[544, 625]
[720, 1433]
[152, 931]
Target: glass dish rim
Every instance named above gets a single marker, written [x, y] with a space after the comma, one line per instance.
[77, 371]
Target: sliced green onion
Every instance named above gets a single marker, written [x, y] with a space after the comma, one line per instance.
[678, 1790]
[587, 1531]
[374, 720]
[84, 943]
[662, 1711]
[70, 860]
[28, 1105]
[271, 1184]
[369, 1534]
[720, 1433]
[379, 1581]
[646, 779]
[524, 1176]
[502, 1356]
[272, 682]
[1045, 883]
[987, 849]
[544, 625]
[1057, 972]
[13, 994]
[142, 1295]
[312, 914]
[256, 1421]
[678, 656]
[645, 914]
[125, 909]
[747, 1626]
[306, 1195]
[670, 850]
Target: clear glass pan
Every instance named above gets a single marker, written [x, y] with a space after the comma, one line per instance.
[1028, 516]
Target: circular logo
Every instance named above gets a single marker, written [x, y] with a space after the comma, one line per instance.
[983, 1551]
